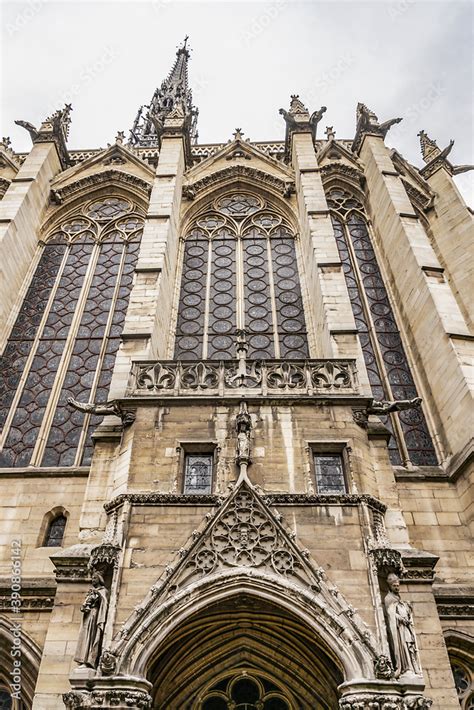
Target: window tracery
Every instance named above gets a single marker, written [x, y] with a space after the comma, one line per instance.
[240, 272]
[387, 365]
[67, 332]
[245, 691]
[464, 683]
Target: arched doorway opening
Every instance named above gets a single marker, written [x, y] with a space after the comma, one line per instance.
[244, 653]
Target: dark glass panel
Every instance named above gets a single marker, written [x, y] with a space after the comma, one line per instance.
[364, 337]
[55, 534]
[26, 325]
[258, 305]
[289, 303]
[222, 301]
[198, 473]
[329, 471]
[417, 438]
[190, 325]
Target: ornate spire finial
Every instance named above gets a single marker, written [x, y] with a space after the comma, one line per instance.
[367, 123]
[174, 93]
[436, 158]
[238, 134]
[429, 147]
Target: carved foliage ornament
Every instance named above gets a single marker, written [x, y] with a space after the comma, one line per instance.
[384, 701]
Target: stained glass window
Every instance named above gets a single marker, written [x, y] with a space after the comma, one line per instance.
[198, 473]
[387, 365]
[464, 681]
[329, 470]
[245, 692]
[66, 335]
[240, 272]
[55, 531]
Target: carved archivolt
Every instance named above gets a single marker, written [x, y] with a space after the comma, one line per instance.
[284, 187]
[106, 177]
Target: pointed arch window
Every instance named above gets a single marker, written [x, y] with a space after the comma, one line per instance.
[240, 272]
[66, 335]
[386, 361]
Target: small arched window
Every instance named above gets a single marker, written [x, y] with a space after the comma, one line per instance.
[55, 531]
[240, 272]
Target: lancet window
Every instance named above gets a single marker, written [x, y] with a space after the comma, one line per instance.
[66, 334]
[387, 365]
[240, 272]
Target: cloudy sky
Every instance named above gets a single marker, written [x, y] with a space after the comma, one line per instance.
[409, 58]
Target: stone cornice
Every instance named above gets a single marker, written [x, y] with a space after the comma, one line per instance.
[35, 595]
[290, 499]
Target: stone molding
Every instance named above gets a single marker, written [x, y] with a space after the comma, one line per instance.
[262, 377]
[291, 499]
[117, 177]
[383, 695]
[234, 172]
[72, 563]
[36, 595]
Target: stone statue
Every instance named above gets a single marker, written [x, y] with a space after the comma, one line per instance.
[400, 629]
[243, 424]
[107, 409]
[385, 407]
[94, 612]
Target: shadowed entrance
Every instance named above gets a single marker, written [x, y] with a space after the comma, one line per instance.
[244, 654]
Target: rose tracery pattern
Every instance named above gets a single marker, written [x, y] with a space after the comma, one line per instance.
[70, 320]
[244, 535]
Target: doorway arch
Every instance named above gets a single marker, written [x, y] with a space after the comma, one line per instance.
[244, 652]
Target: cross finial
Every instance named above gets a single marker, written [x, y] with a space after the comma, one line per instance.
[330, 133]
[238, 134]
[120, 137]
[6, 141]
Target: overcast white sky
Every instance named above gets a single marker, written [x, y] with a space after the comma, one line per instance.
[409, 58]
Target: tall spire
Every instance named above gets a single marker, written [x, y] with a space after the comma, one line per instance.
[173, 94]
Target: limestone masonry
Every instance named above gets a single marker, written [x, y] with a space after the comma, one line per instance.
[236, 460]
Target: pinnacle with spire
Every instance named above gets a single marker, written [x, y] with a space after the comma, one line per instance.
[173, 94]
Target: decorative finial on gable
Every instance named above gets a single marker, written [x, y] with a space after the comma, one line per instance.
[238, 134]
[436, 158]
[368, 124]
[119, 138]
[330, 133]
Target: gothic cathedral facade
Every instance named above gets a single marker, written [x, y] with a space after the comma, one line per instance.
[236, 458]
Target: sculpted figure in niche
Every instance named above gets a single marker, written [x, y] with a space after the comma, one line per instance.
[401, 631]
[94, 612]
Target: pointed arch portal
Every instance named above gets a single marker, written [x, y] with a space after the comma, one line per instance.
[244, 652]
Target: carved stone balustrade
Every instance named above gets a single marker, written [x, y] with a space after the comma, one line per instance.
[212, 378]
